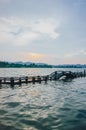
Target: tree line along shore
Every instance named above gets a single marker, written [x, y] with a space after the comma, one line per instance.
[4, 64]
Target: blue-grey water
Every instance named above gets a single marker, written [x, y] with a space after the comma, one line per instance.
[56, 105]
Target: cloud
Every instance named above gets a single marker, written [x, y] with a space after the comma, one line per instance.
[22, 32]
[83, 51]
[5, 37]
[26, 38]
[75, 57]
[77, 53]
[43, 58]
[46, 27]
[34, 57]
[70, 55]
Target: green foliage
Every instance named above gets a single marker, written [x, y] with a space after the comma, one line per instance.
[4, 64]
[16, 65]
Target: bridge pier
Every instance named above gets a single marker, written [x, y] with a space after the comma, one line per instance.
[26, 79]
[12, 81]
[39, 79]
[0, 81]
[33, 80]
[19, 81]
[84, 73]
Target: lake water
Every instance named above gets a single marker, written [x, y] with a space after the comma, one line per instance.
[56, 105]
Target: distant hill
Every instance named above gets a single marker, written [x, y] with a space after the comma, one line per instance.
[21, 64]
[71, 66]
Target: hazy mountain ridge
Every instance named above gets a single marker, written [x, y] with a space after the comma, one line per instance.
[20, 64]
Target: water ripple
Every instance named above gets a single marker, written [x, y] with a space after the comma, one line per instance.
[52, 106]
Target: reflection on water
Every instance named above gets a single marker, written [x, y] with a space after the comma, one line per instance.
[53, 106]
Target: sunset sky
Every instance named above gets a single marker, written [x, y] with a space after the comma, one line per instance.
[47, 31]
